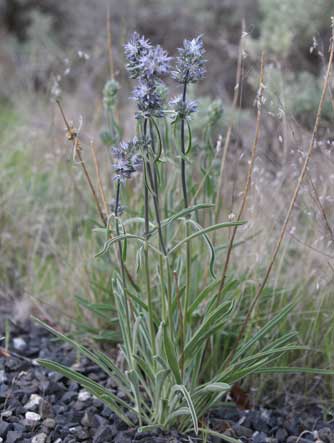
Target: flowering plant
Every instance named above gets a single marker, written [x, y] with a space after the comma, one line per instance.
[183, 346]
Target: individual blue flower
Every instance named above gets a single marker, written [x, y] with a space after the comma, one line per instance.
[149, 96]
[154, 64]
[127, 159]
[136, 48]
[182, 109]
[190, 64]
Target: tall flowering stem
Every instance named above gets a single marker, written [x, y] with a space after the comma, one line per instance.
[154, 176]
[189, 68]
[126, 163]
[148, 64]
[183, 151]
[146, 255]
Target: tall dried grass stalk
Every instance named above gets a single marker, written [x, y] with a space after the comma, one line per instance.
[249, 177]
[293, 199]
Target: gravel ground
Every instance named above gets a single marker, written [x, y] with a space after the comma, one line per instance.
[40, 406]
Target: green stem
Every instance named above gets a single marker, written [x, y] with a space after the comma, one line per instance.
[183, 151]
[185, 198]
[120, 253]
[146, 264]
[153, 174]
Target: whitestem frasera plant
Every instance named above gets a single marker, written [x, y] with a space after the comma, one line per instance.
[170, 316]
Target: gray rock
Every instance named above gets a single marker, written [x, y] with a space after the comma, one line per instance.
[68, 397]
[295, 439]
[39, 438]
[242, 431]
[4, 428]
[281, 435]
[122, 438]
[326, 435]
[103, 435]
[259, 437]
[13, 437]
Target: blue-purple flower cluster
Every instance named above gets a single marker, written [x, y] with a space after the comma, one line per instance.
[148, 64]
[136, 48]
[127, 159]
[182, 109]
[190, 64]
[149, 97]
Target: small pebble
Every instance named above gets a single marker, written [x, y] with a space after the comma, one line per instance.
[3, 376]
[84, 395]
[32, 417]
[19, 344]
[49, 423]
[34, 402]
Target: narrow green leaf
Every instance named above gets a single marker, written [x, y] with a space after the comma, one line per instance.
[158, 153]
[189, 138]
[185, 212]
[171, 356]
[83, 350]
[140, 220]
[94, 388]
[264, 330]
[211, 323]
[209, 245]
[213, 387]
[294, 370]
[160, 379]
[135, 385]
[110, 242]
[149, 428]
[184, 410]
[203, 295]
[205, 231]
[187, 397]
